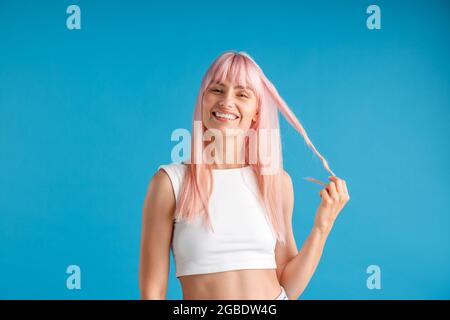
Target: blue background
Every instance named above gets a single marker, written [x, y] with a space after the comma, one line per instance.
[86, 117]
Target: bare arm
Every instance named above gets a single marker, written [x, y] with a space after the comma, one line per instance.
[296, 267]
[156, 235]
[298, 270]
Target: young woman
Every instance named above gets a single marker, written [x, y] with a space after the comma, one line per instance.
[227, 212]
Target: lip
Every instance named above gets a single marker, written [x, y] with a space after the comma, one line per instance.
[222, 119]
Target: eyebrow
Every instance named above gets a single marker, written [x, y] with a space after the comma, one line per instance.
[236, 87]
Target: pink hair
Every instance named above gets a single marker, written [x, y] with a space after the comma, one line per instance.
[240, 68]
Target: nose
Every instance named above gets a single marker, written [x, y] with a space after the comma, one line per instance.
[228, 101]
[226, 104]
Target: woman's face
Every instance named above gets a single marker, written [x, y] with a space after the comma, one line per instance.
[228, 106]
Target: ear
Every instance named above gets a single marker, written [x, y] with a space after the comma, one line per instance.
[255, 117]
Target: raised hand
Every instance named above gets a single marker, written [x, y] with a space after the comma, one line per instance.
[334, 197]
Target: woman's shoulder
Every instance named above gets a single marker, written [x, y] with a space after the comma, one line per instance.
[159, 190]
[176, 173]
[174, 168]
[286, 179]
[288, 192]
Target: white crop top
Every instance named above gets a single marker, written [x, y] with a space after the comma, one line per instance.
[243, 237]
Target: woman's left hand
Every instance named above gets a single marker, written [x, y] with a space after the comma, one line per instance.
[334, 198]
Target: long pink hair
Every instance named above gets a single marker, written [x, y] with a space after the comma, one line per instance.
[240, 68]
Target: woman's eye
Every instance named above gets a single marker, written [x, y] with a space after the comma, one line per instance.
[243, 95]
[215, 90]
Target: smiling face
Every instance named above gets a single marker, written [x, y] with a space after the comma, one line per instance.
[227, 105]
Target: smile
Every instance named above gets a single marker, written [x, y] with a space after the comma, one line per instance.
[224, 116]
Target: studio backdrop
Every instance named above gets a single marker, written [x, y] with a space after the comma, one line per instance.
[91, 92]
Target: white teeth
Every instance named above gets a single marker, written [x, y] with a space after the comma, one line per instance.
[225, 115]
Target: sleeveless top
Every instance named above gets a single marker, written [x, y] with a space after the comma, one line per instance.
[243, 237]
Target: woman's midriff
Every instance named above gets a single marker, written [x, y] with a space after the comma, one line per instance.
[256, 284]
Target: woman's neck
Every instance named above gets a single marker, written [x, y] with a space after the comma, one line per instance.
[230, 156]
